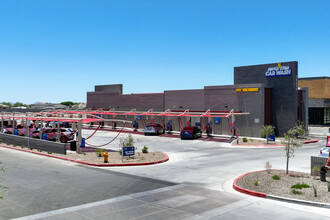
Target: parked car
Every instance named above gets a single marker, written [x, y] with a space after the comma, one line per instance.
[154, 129]
[19, 128]
[324, 152]
[65, 135]
[191, 132]
[62, 124]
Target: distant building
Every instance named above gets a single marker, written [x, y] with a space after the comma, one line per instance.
[2, 106]
[318, 99]
[47, 106]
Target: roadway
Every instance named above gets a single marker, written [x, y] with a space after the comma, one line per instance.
[196, 183]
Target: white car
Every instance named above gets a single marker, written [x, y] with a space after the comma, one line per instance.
[324, 152]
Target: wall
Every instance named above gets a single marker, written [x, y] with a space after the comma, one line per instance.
[184, 99]
[110, 88]
[142, 101]
[319, 87]
[218, 97]
[50, 146]
[284, 92]
[102, 99]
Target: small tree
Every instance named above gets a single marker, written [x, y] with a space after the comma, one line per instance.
[126, 142]
[291, 143]
[3, 189]
[267, 130]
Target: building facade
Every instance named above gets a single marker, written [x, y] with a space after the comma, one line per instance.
[318, 99]
[268, 93]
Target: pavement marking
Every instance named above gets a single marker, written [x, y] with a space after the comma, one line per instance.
[94, 204]
[228, 208]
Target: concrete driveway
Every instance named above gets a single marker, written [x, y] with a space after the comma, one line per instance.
[195, 184]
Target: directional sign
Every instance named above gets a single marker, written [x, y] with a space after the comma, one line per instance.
[271, 138]
[128, 151]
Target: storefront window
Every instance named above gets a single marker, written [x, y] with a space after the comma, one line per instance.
[326, 116]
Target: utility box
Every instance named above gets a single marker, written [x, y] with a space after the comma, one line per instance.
[73, 146]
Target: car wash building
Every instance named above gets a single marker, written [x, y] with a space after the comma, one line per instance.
[265, 94]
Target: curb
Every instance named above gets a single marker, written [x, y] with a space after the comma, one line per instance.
[297, 201]
[313, 141]
[92, 164]
[257, 145]
[278, 198]
[246, 191]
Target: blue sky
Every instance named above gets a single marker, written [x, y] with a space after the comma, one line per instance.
[56, 50]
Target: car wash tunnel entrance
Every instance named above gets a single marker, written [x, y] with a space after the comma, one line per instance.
[65, 126]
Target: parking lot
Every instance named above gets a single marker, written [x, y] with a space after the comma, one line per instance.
[193, 163]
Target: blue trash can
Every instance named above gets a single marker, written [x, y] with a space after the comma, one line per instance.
[82, 142]
[44, 136]
[15, 132]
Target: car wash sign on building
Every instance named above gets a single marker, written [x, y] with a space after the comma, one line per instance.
[279, 70]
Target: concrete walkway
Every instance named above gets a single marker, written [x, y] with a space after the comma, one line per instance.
[179, 202]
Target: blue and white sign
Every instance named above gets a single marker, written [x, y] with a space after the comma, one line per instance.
[279, 70]
[217, 120]
[128, 151]
[271, 138]
[139, 117]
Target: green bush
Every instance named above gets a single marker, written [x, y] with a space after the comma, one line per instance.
[99, 152]
[256, 183]
[39, 150]
[276, 177]
[245, 139]
[120, 152]
[300, 186]
[49, 152]
[294, 191]
[31, 148]
[145, 150]
[316, 168]
[267, 130]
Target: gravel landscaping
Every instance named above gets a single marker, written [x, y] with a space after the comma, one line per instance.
[113, 157]
[263, 182]
[263, 142]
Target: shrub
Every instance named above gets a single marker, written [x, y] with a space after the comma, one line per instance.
[316, 169]
[276, 177]
[49, 152]
[145, 150]
[294, 191]
[267, 130]
[39, 150]
[120, 152]
[315, 191]
[268, 166]
[31, 148]
[99, 152]
[300, 186]
[256, 183]
[0, 141]
[245, 139]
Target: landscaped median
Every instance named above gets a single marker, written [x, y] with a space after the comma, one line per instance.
[252, 142]
[294, 187]
[92, 158]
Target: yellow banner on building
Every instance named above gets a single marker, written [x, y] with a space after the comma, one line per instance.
[248, 90]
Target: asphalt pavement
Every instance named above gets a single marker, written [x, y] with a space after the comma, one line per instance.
[196, 183]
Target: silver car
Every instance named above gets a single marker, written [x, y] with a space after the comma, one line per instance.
[154, 129]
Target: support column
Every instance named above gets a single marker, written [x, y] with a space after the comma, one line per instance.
[79, 135]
